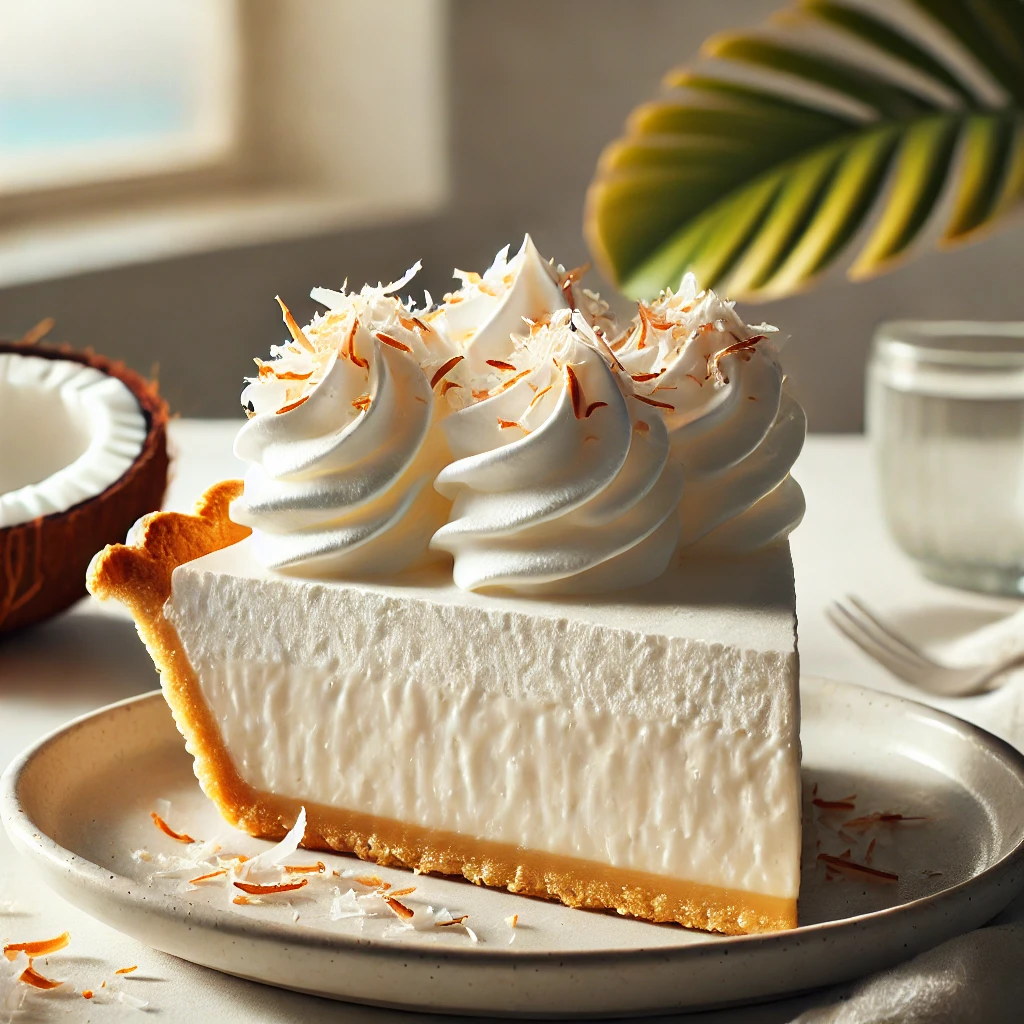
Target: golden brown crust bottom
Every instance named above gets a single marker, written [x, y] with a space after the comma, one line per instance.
[140, 577]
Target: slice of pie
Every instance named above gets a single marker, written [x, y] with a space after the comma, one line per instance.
[638, 751]
[522, 613]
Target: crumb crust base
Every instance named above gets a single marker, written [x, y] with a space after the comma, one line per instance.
[139, 576]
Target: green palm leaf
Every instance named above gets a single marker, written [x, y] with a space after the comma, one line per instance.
[839, 131]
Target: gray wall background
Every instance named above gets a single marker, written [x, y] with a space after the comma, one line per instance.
[536, 90]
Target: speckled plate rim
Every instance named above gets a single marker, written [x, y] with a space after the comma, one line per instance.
[928, 920]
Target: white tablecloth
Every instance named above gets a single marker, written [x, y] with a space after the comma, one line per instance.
[92, 656]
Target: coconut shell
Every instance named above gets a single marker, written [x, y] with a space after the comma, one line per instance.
[43, 562]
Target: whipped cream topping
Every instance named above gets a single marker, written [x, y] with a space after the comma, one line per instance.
[343, 439]
[732, 425]
[563, 480]
[486, 315]
[505, 429]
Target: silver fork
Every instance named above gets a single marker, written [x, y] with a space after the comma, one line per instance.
[905, 659]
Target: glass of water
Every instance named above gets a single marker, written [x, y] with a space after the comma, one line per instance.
[945, 415]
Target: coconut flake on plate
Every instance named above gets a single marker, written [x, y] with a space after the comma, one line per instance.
[274, 858]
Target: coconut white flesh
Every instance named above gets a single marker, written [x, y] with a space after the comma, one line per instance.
[67, 432]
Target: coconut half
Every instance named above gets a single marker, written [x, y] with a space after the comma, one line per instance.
[83, 454]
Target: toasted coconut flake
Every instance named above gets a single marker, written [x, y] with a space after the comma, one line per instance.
[537, 397]
[743, 349]
[42, 947]
[362, 403]
[319, 868]
[403, 892]
[512, 921]
[393, 342]
[568, 279]
[413, 323]
[292, 405]
[847, 803]
[654, 402]
[258, 889]
[32, 977]
[866, 821]
[647, 321]
[87, 993]
[127, 970]
[857, 870]
[37, 333]
[500, 364]
[293, 328]
[445, 368]
[351, 346]
[371, 881]
[461, 920]
[512, 380]
[538, 324]
[242, 901]
[641, 378]
[399, 908]
[506, 424]
[642, 427]
[575, 392]
[447, 386]
[593, 407]
[871, 850]
[209, 874]
[181, 837]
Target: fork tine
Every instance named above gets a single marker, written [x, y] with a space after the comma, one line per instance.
[852, 628]
[886, 637]
[885, 628]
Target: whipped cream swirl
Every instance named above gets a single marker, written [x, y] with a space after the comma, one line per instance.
[563, 481]
[343, 439]
[733, 426]
[487, 315]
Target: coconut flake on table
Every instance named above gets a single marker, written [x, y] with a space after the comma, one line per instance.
[111, 993]
[13, 991]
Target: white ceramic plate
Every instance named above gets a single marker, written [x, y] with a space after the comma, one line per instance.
[77, 805]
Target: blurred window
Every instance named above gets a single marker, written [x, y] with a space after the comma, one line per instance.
[102, 90]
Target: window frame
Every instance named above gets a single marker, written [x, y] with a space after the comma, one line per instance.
[302, 163]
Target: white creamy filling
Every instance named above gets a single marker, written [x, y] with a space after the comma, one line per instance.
[552, 729]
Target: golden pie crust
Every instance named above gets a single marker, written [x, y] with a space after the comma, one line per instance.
[139, 576]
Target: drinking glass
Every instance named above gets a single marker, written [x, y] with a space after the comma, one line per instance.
[945, 415]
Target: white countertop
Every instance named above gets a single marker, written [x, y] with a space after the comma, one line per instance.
[91, 656]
